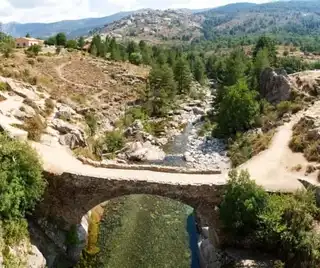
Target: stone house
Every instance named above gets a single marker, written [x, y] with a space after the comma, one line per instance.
[28, 42]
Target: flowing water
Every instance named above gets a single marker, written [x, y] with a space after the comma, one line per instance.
[142, 231]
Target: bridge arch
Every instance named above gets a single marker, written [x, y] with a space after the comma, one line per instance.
[70, 196]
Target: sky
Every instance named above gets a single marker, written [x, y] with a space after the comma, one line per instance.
[24, 11]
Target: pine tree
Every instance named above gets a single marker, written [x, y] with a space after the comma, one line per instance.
[236, 67]
[93, 50]
[238, 109]
[260, 63]
[182, 76]
[161, 90]
[268, 43]
[61, 39]
[199, 70]
[81, 42]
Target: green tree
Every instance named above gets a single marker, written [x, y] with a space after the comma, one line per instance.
[199, 70]
[237, 110]
[21, 181]
[93, 50]
[132, 47]
[61, 39]
[28, 35]
[242, 204]
[71, 44]
[81, 42]
[236, 66]
[260, 63]
[51, 41]
[34, 49]
[161, 90]
[182, 75]
[114, 50]
[135, 58]
[267, 43]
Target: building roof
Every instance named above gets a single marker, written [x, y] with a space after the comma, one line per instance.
[28, 38]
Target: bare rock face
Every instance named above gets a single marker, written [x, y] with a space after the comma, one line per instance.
[35, 258]
[73, 136]
[275, 85]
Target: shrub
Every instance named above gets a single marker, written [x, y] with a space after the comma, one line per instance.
[35, 127]
[283, 108]
[72, 236]
[243, 202]
[113, 141]
[135, 58]
[14, 230]
[49, 106]
[3, 86]
[21, 181]
[287, 226]
[92, 123]
[34, 49]
[310, 169]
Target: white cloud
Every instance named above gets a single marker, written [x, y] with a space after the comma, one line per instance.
[54, 10]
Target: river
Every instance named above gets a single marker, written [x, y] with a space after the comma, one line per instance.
[146, 232]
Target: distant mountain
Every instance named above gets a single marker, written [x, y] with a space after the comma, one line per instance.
[285, 19]
[73, 28]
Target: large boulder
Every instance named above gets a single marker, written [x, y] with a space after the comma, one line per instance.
[138, 151]
[35, 258]
[65, 112]
[72, 135]
[73, 140]
[275, 85]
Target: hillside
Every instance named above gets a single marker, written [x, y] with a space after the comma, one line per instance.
[157, 25]
[280, 18]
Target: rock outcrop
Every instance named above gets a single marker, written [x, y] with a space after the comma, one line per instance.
[138, 151]
[275, 85]
[72, 135]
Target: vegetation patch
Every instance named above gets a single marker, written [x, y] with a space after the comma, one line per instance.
[4, 86]
[244, 146]
[306, 139]
[35, 127]
[282, 224]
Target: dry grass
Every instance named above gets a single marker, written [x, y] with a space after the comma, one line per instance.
[306, 139]
[245, 146]
[297, 168]
[35, 127]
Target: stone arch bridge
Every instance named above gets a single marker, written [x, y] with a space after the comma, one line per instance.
[69, 196]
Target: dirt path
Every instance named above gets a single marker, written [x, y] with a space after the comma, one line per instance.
[59, 71]
[273, 167]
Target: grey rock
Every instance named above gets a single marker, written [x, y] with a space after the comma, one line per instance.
[144, 152]
[198, 111]
[35, 258]
[66, 112]
[73, 140]
[275, 86]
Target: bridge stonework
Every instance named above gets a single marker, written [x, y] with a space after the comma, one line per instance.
[70, 196]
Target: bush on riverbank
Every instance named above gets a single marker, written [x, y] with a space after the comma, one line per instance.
[283, 224]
